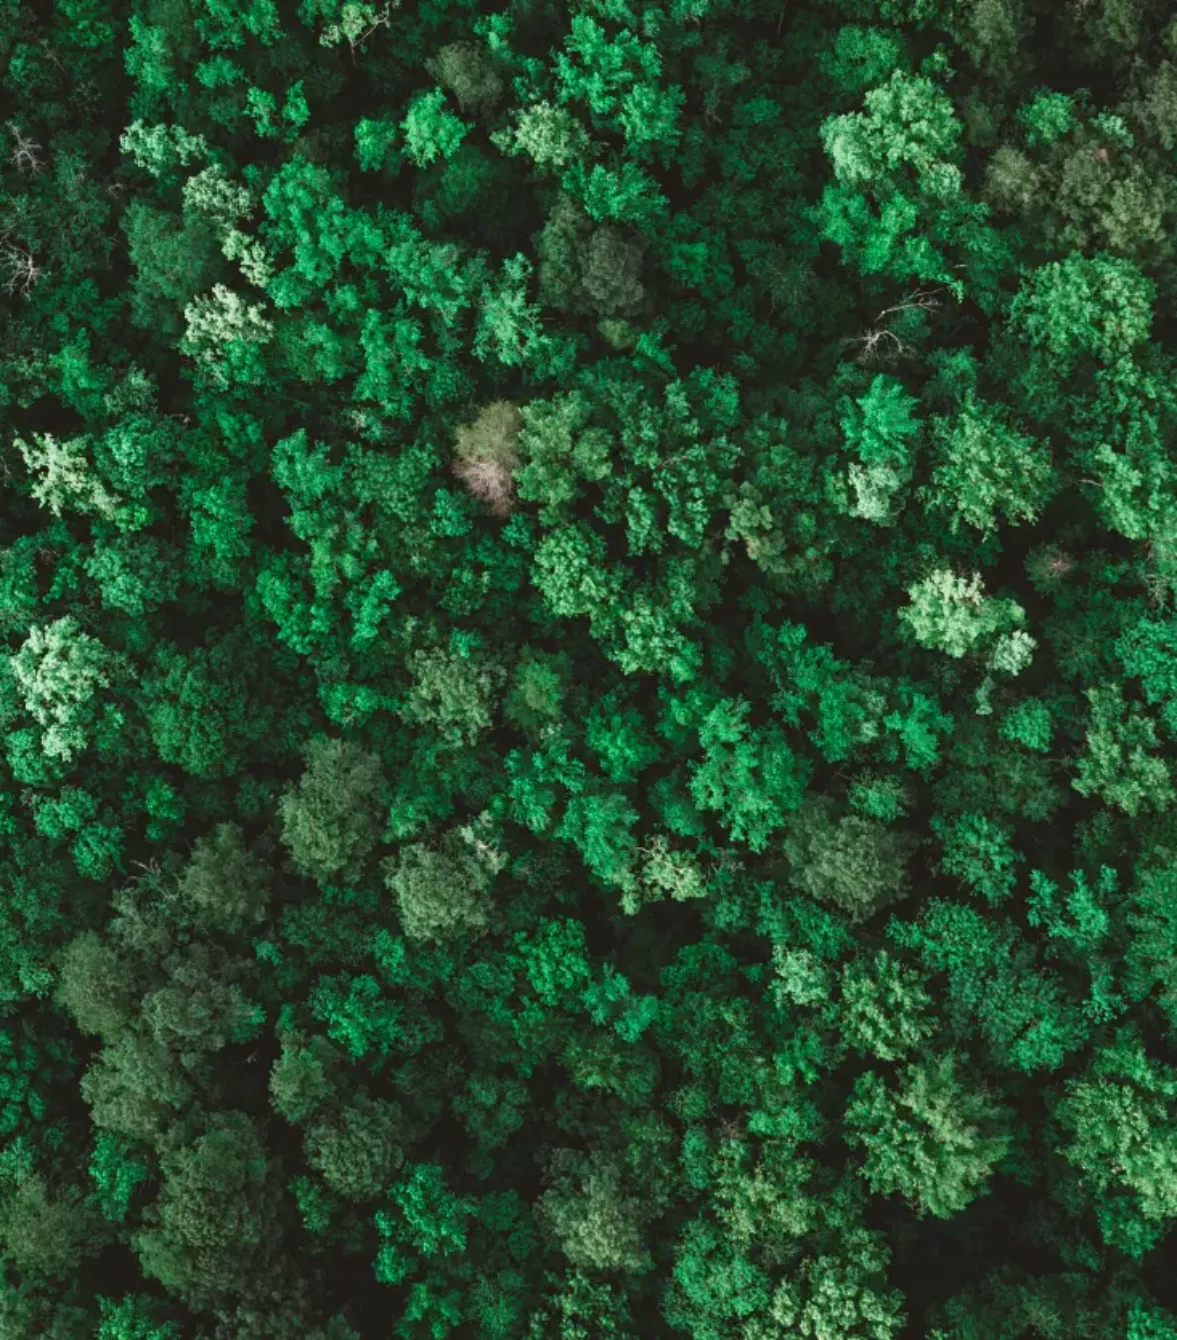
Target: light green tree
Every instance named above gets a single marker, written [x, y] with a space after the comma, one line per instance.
[952, 614]
[987, 471]
[1121, 762]
[59, 671]
[928, 1138]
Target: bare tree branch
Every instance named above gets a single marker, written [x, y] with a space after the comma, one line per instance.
[25, 152]
[880, 344]
[23, 270]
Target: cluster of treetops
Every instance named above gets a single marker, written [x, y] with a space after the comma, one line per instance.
[588, 702]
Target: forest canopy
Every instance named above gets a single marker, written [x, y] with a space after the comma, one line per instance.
[588, 701]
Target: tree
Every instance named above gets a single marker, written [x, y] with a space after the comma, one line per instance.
[929, 1139]
[425, 1220]
[46, 1234]
[996, 990]
[224, 335]
[442, 892]
[1098, 308]
[303, 1077]
[715, 1286]
[597, 1226]
[202, 709]
[887, 1009]
[486, 456]
[330, 820]
[176, 259]
[430, 130]
[215, 1219]
[135, 574]
[950, 613]
[898, 156]
[1118, 763]
[133, 1318]
[1150, 959]
[59, 671]
[610, 273]
[468, 71]
[978, 851]
[752, 778]
[1118, 1131]
[93, 986]
[223, 882]
[987, 469]
[577, 1306]
[454, 691]
[549, 135]
[856, 864]
[358, 1148]
[135, 1088]
[878, 428]
[840, 1294]
[66, 479]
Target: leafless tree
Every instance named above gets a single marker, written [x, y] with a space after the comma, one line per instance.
[732, 1128]
[51, 54]
[489, 481]
[879, 343]
[23, 270]
[356, 40]
[25, 151]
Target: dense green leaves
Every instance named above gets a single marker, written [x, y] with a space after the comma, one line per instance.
[588, 699]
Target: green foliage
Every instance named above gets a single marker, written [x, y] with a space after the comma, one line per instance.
[979, 853]
[550, 136]
[454, 691]
[215, 1212]
[952, 614]
[223, 883]
[1150, 960]
[443, 892]
[425, 1220]
[47, 1234]
[117, 1171]
[994, 988]
[886, 1008]
[133, 1318]
[357, 1150]
[908, 124]
[176, 258]
[840, 1294]
[93, 987]
[597, 1226]
[877, 429]
[987, 471]
[1119, 763]
[892, 162]
[1118, 1129]
[855, 864]
[752, 778]
[588, 687]
[468, 71]
[1077, 308]
[331, 819]
[929, 1138]
[302, 1077]
[430, 130]
[201, 713]
[59, 670]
